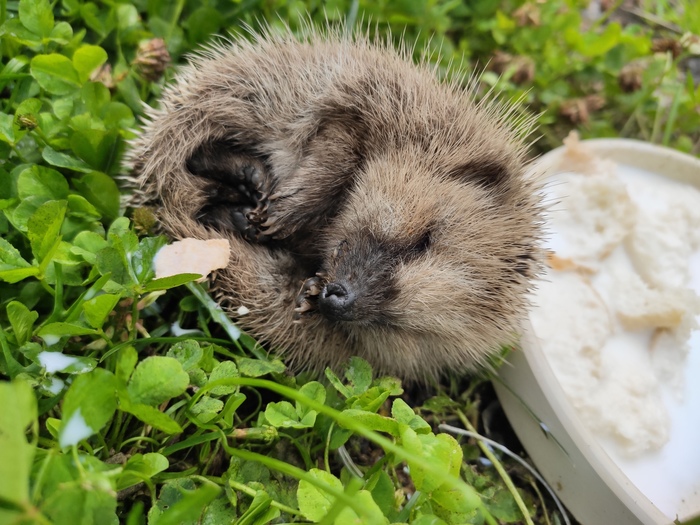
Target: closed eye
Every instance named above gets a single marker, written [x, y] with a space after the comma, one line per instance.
[421, 245]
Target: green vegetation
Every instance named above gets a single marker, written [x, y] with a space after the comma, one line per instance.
[106, 417]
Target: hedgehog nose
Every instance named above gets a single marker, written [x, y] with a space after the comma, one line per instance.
[336, 300]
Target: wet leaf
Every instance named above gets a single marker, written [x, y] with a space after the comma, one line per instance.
[42, 182]
[207, 408]
[223, 370]
[140, 467]
[181, 506]
[314, 503]
[188, 353]
[22, 321]
[98, 308]
[63, 160]
[151, 416]
[16, 454]
[255, 367]
[101, 191]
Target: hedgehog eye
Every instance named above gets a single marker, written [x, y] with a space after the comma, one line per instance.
[486, 173]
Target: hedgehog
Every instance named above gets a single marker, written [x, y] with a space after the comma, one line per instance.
[372, 209]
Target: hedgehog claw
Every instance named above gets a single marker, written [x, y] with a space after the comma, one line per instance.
[306, 298]
[305, 306]
[252, 221]
[271, 231]
[311, 286]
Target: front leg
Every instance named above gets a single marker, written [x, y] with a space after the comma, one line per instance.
[237, 190]
[278, 194]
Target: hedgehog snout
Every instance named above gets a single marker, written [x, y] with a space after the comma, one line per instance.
[336, 301]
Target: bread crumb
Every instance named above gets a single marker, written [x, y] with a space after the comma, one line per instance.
[561, 264]
[242, 310]
[192, 256]
[659, 249]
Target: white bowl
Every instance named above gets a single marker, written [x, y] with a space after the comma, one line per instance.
[599, 486]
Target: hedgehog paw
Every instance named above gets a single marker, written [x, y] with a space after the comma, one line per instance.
[306, 299]
[237, 192]
[248, 218]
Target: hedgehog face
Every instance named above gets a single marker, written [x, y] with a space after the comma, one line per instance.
[407, 249]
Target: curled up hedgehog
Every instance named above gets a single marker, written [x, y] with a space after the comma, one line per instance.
[371, 209]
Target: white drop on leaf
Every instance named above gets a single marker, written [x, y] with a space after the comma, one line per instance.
[177, 330]
[51, 339]
[55, 386]
[55, 361]
[74, 430]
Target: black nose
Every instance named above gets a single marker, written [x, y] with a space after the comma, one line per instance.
[336, 301]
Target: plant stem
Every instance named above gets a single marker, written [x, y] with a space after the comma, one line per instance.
[251, 492]
[220, 317]
[499, 468]
[295, 472]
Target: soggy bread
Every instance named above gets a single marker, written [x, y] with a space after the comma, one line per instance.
[639, 306]
[659, 249]
[571, 337]
[668, 348]
[594, 216]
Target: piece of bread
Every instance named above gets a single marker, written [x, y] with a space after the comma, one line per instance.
[640, 306]
[593, 216]
[578, 157]
[612, 395]
[628, 405]
[615, 394]
[659, 249]
[668, 348]
[687, 200]
[571, 337]
[192, 256]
